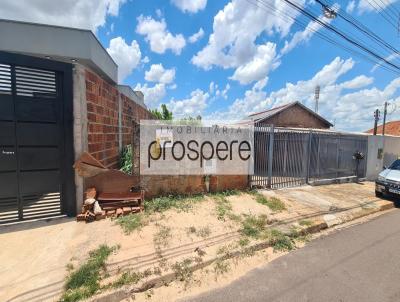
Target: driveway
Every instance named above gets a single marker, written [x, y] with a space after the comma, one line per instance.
[361, 263]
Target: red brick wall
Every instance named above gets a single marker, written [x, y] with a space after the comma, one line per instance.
[102, 110]
[159, 185]
[296, 117]
[131, 112]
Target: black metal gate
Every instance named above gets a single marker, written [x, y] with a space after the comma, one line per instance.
[287, 157]
[36, 143]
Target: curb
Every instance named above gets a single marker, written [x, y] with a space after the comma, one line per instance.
[127, 291]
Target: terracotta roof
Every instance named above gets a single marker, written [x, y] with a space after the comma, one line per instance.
[391, 128]
[260, 116]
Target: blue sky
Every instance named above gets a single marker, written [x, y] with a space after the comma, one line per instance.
[244, 57]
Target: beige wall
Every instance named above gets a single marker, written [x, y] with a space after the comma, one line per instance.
[390, 146]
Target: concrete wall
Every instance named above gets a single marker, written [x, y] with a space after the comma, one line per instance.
[382, 151]
[296, 117]
[59, 43]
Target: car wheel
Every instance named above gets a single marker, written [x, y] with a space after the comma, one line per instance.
[378, 194]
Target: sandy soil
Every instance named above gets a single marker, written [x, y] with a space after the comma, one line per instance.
[36, 254]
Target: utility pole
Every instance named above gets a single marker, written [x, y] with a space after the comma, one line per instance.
[376, 116]
[384, 118]
[317, 91]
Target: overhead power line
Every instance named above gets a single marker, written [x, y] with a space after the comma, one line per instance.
[338, 32]
[283, 14]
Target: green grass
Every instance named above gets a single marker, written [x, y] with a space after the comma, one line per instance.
[203, 232]
[221, 267]
[253, 226]
[224, 193]
[161, 238]
[305, 222]
[280, 241]
[273, 203]
[182, 203]
[128, 278]
[183, 271]
[223, 207]
[131, 222]
[85, 281]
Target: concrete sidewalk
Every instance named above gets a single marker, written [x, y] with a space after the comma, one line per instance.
[34, 256]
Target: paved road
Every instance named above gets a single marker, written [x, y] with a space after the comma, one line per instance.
[360, 263]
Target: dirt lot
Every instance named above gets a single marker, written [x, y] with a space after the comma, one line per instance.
[36, 255]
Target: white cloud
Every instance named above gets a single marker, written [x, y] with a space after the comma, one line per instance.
[368, 6]
[126, 56]
[351, 110]
[388, 58]
[191, 6]
[197, 36]
[235, 30]
[145, 60]
[254, 100]
[305, 35]
[152, 95]
[157, 73]
[263, 61]
[192, 106]
[212, 87]
[357, 83]
[88, 14]
[351, 6]
[216, 92]
[157, 34]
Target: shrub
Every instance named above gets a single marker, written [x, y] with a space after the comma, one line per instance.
[126, 159]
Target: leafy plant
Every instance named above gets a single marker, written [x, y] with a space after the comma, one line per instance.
[305, 222]
[273, 203]
[161, 204]
[280, 241]
[203, 232]
[253, 226]
[183, 271]
[128, 278]
[130, 222]
[163, 113]
[221, 266]
[223, 207]
[161, 238]
[126, 160]
[84, 282]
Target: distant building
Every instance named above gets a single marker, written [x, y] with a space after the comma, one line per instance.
[391, 128]
[294, 115]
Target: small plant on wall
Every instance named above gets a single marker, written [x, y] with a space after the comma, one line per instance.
[125, 159]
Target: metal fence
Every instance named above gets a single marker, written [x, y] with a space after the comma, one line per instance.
[286, 157]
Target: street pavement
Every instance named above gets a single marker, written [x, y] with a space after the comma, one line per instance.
[359, 263]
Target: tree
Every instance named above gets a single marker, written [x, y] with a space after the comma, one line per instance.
[163, 114]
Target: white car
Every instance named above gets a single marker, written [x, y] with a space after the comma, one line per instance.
[388, 182]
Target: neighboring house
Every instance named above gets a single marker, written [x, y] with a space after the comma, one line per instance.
[59, 97]
[294, 115]
[391, 128]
